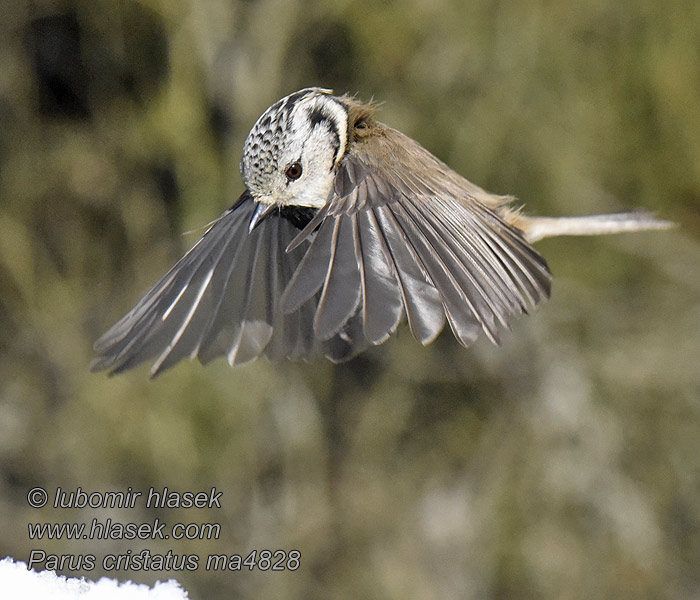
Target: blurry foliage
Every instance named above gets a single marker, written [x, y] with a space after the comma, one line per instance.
[565, 464]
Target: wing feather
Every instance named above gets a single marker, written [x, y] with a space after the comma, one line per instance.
[482, 259]
[382, 305]
[255, 328]
[391, 242]
[479, 298]
[459, 309]
[342, 287]
[421, 299]
[221, 298]
[528, 269]
[225, 333]
[164, 313]
[293, 332]
[425, 246]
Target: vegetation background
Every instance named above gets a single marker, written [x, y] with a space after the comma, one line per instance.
[564, 464]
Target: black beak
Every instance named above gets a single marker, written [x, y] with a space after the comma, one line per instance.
[262, 209]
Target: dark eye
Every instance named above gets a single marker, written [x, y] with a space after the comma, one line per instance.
[293, 171]
[361, 123]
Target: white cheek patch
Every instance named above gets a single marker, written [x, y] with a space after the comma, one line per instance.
[314, 186]
[318, 132]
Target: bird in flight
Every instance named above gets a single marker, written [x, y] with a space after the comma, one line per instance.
[346, 229]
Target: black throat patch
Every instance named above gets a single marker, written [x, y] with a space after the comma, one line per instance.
[299, 216]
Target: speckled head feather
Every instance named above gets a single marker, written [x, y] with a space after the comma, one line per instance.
[308, 128]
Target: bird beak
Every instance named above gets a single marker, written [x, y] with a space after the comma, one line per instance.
[261, 211]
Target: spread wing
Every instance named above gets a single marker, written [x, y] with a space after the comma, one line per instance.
[221, 299]
[394, 242]
[388, 245]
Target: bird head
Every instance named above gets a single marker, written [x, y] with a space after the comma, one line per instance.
[291, 154]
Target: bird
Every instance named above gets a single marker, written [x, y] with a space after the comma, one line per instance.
[347, 230]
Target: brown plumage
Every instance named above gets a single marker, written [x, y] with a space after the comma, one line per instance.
[347, 228]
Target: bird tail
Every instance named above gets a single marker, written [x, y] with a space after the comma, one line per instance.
[536, 228]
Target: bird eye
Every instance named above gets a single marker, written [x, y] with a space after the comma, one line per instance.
[361, 123]
[293, 171]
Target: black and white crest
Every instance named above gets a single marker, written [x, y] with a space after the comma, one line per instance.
[297, 128]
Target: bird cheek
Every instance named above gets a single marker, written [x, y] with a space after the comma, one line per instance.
[287, 192]
[316, 190]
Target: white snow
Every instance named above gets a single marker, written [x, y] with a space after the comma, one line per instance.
[19, 583]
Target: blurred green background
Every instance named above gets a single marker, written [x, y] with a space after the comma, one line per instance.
[564, 464]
